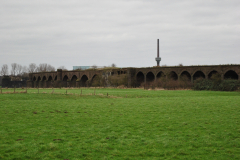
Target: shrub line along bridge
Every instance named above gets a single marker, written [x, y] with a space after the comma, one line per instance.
[135, 76]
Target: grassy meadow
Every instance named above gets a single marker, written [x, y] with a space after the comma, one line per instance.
[126, 124]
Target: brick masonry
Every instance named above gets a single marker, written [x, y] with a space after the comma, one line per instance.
[75, 78]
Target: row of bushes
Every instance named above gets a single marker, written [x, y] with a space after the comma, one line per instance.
[222, 85]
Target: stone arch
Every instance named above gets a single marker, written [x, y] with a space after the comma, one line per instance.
[95, 81]
[185, 76]
[95, 76]
[55, 78]
[213, 73]
[44, 78]
[231, 75]
[173, 76]
[140, 77]
[84, 79]
[39, 78]
[160, 75]
[65, 78]
[198, 74]
[74, 78]
[150, 77]
[50, 78]
[34, 78]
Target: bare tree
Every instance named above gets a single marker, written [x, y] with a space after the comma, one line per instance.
[4, 70]
[14, 69]
[25, 69]
[25, 72]
[114, 65]
[44, 67]
[50, 68]
[63, 68]
[19, 69]
[32, 68]
[94, 66]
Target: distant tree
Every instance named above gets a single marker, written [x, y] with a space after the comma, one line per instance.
[14, 69]
[19, 69]
[50, 68]
[24, 69]
[32, 68]
[44, 67]
[114, 65]
[94, 66]
[4, 70]
[180, 64]
[25, 72]
[63, 68]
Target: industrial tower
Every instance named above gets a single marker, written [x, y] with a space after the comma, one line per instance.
[158, 59]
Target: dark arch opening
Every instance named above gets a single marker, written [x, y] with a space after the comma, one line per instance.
[44, 78]
[185, 76]
[95, 81]
[198, 75]
[34, 78]
[160, 75]
[173, 76]
[55, 78]
[150, 77]
[65, 78]
[140, 78]
[39, 78]
[213, 75]
[50, 78]
[95, 77]
[231, 75]
[74, 78]
[84, 80]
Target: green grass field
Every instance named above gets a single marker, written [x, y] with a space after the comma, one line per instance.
[126, 124]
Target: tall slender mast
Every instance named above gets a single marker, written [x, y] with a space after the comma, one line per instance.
[158, 59]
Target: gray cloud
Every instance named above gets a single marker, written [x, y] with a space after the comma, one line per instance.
[123, 32]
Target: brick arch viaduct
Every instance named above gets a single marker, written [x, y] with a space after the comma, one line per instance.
[140, 75]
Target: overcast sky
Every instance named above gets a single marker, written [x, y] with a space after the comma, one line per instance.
[124, 32]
